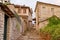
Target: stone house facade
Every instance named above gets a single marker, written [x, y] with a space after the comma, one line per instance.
[44, 11]
[25, 13]
[9, 25]
[13, 22]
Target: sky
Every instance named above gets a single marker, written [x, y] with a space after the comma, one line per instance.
[32, 3]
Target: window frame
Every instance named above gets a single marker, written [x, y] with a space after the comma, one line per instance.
[24, 10]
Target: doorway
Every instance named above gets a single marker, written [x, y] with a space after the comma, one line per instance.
[5, 26]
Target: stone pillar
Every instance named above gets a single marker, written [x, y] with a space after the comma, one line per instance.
[1, 24]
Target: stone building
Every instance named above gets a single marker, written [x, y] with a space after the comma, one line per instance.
[9, 24]
[44, 11]
[14, 21]
[25, 13]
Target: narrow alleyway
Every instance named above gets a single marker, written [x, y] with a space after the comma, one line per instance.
[32, 34]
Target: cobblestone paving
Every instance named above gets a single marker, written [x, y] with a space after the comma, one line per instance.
[30, 35]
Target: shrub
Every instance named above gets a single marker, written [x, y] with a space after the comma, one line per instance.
[53, 28]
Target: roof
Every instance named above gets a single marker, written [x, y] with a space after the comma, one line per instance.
[11, 13]
[46, 4]
[6, 9]
[20, 6]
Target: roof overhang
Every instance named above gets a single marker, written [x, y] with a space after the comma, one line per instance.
[24, 7]
[6, 10]
[10, 12]
[38, 2]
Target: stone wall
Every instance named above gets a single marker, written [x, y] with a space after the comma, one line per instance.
[15, 31]
[1, 24]
[43, 24]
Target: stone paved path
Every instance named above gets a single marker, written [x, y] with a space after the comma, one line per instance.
[30, 35]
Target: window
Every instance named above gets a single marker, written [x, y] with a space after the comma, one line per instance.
[19, 10]
[24, 10]
[52, 10]
[43, 10]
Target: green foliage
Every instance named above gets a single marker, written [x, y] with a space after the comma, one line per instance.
[53, 21]
[18, 26]
[53, 28]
